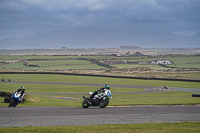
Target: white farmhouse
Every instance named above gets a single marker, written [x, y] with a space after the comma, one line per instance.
[161, 61]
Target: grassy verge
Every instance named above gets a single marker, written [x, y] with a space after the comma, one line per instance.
[96, 80]
[50, 88]
[161, 98]
[182, 127]
[186, 75]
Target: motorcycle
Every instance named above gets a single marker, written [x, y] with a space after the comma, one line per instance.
[101, 99]
[16, 97]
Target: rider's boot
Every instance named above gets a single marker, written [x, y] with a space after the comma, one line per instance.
[87, 99]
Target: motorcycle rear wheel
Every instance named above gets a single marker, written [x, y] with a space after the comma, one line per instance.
[85, 104]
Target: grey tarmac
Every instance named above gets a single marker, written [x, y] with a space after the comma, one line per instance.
[69, 116]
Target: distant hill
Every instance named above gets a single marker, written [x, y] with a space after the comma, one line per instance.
[130, 47]
[87, 37]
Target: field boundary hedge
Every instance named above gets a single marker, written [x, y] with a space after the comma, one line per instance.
[95, 75]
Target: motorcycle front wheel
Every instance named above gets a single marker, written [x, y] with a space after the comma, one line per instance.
[85, 104]
[12, 102]
[104, 102]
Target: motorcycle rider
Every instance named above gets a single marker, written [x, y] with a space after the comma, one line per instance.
[106, 86]
[21, 90]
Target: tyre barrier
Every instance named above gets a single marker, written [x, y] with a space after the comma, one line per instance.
[5, 94]
[7, 100]
[195, 95]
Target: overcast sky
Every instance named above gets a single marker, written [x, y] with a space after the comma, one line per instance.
[27, 17]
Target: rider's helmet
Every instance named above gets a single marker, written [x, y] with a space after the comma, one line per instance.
[22, 87]
[107, 86]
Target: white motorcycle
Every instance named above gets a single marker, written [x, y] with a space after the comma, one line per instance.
[101, 99]
[16, 97]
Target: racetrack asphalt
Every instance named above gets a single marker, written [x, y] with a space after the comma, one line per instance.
[69, 116]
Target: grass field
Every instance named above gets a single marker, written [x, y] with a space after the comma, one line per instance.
[184, 67]
[186, 75]
[161, 98]
[59, 62]
[153, 67]
[180, 61]
[96, 80]
[182, 127]
[53, 65]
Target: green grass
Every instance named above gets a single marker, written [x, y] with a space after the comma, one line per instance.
[161, 98]
[9, 57]
[45, 57]
[51, 88]
[183, 65]
[59, 62]
[189, 60]
[43, 100]
[72, 67]
[117, 100]
[176, 60]
[53, 65]
[96, 80]
[195, 75]
[18, 65]
[181, 61]
[155, 67]
[181, 127]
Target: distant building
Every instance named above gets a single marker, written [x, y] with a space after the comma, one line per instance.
[127, 54]
[137, 54]
[113, 55]
[161, 61]
[134, 54]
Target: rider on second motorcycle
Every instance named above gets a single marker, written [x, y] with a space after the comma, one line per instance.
[22, 91]
[106, 86]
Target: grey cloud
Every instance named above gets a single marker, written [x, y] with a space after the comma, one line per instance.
[152, 10]
[66, 13]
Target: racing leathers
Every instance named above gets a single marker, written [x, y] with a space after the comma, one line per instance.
[96, 92]
[22, 91]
